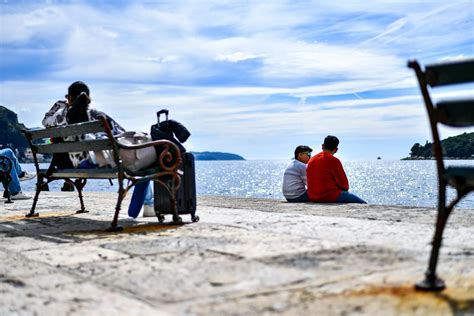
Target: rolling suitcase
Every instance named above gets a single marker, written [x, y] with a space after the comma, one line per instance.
[186, 195]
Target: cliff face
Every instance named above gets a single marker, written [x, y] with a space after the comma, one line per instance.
[11, 135]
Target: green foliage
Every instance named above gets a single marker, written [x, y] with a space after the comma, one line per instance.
[460, 147]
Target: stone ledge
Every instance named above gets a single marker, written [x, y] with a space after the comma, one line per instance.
[245, 256]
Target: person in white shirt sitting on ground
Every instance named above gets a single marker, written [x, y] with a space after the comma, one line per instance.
[294, 178]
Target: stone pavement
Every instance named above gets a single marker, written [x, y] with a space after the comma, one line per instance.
[245, 257]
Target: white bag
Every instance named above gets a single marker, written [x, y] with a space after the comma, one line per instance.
[132, 159]
[103, 158]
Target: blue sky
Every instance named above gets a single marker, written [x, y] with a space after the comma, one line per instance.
[254, 78]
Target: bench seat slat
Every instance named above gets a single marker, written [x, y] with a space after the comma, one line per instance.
[464, 174]
[86, 145]
[101, 173]
[441, 74]
[457, 113]
[69, 130]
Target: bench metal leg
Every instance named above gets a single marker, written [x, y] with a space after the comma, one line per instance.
[176, 218]
[432, 282]
[172, 186]
[121, 195]
[80, 184]
[6, 193]
[175, 183]
[39, 185]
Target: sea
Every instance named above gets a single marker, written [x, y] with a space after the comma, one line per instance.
[379, 182]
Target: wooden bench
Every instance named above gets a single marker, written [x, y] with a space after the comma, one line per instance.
[454, 113]
[6, 166]
[165, 172]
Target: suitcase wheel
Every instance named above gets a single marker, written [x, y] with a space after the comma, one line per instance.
[161, 218]
[177, 219]
[195, 218]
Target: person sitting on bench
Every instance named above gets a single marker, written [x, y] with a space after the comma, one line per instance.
[17, 175]
[76, 110]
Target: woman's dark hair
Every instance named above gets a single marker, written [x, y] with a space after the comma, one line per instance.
[76, 88]
[79, 94]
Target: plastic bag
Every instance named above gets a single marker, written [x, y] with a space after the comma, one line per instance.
[138, 159]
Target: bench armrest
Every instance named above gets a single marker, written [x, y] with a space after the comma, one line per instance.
[147, 144]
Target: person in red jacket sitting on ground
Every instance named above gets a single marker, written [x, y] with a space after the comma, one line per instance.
[327, 181]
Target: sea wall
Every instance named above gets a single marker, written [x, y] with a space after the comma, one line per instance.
[244, 257]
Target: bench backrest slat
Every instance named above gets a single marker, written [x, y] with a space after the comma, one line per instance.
[85, 145]
[450, 73]
[459, 113]
[69, 130]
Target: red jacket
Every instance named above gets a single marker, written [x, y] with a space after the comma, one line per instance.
[326, 178]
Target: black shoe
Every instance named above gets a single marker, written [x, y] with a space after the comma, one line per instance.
[67, 187]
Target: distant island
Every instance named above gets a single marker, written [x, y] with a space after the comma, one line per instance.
[211, 155]
[455, 147]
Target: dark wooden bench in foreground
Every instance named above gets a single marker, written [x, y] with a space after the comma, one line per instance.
[164, 172]
[454, 113]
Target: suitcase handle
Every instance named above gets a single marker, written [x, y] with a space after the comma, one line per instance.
[164, 111]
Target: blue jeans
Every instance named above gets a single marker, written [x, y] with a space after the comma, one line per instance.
[14, 186]
[302, 198]
[149, 195]
[86, 164]
[347, 197]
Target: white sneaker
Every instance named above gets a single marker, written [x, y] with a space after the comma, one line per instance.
[148, 211]
[27, 176]
[20, 196]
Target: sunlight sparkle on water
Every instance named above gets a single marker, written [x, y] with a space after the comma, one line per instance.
[410, 183]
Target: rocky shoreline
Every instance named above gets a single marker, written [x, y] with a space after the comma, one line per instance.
[433, 158]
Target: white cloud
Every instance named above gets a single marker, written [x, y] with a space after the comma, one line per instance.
[237, 56]
[194, 58]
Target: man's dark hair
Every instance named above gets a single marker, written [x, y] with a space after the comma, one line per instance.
[302, 149]
[331, 142]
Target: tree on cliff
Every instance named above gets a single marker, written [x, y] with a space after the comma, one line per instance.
[461, 147]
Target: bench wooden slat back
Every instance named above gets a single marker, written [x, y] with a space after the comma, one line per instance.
[64, 131]
[457, 113]
[78, 146]
[442, 74]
